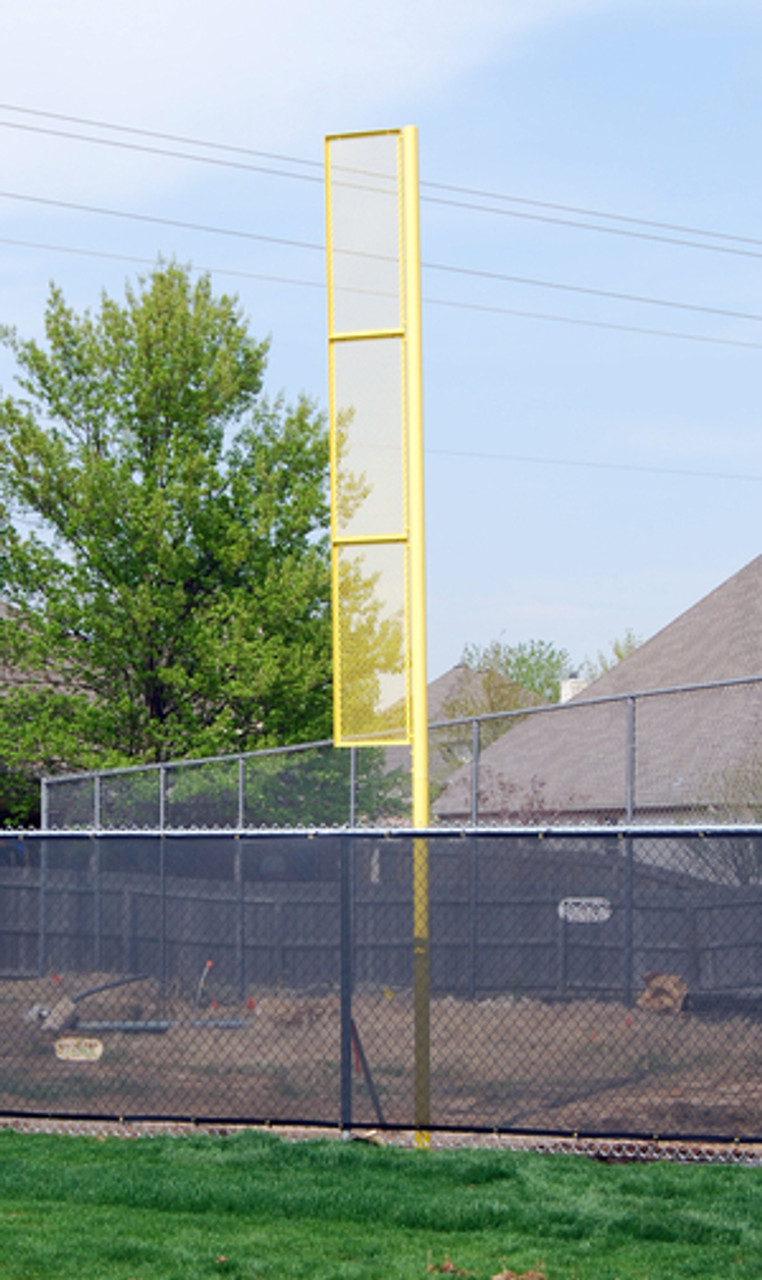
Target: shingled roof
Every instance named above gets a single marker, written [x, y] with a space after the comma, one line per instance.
[696, 752]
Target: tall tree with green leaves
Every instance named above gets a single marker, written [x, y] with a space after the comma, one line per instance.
[172, 595]
[517, 675]
[619, 649]
[502, 677]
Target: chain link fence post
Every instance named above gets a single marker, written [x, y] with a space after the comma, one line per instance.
[353, 786]
[473, 906]
[240, 939]
[475, 754]
[97, 902]
[473, 862]
[42, 910]
[629, 905]
[162, 915]
[44, 805]
[162, 797]
[346, 947]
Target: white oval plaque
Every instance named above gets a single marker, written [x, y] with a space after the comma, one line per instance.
[78, 1049]
[585, 910]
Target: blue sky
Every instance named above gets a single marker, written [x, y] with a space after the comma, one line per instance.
[581, 480]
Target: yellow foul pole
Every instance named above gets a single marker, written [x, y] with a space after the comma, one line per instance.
[419, 692]
[377, 486]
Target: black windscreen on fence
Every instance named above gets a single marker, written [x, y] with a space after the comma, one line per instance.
[597, 982]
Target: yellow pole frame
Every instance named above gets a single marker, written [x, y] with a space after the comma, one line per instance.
[419, 690]
[416, 585]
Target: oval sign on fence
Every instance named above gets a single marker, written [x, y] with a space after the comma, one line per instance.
[77, 1049]
[585, 910]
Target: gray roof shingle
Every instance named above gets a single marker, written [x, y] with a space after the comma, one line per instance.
[698, 751]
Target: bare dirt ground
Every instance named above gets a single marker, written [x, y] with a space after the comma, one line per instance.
[520, 1064]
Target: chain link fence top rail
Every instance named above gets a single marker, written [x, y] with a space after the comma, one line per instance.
[689, 754]
[591, 981]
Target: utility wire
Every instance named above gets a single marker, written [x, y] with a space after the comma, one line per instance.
[594, 293]
[470, 205]
[316, 246]
[150, 262]
[463, 271]
[580, 464]
[593, 213]
[479, 193]
[437, 302]
[589, 226]
[595, 465]
[163, 137]
[160, 151]
[523, 459]
[162, 222]
[594, 324]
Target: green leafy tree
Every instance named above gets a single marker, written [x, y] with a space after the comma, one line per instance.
[498, 677]
[619, 649]
[175, 599]
[517, 675]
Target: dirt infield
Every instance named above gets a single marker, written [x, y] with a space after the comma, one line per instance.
[586, 1067]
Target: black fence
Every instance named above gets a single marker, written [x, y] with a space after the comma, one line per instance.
[595, 982]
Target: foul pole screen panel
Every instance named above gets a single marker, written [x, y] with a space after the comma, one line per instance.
[376, 622]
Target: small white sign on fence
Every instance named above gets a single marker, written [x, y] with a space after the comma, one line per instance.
[585, 910]
[77, 1049]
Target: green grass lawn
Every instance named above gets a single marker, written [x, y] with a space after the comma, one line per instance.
[255, 1206]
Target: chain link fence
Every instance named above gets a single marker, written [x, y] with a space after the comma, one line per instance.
[580, 982]
[314, 785]
[685, 755]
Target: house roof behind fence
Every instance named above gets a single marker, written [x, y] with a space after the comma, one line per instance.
[694, 751]
[719, 638]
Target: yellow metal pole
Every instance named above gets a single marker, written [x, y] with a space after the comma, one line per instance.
[417, 570]
[335, 633]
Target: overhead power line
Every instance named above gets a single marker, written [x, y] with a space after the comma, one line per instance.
[163, 137]
[162, 222]
[317, 246]
[150, 262]
[627, 232]
[159, 151]
[594, 213]
[594, 293]
[734, 240]
[515, 313]
[594, 324]
[596, 465]
[479, 193]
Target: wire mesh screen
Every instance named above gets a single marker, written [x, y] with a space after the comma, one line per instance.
[674, 756]
[606, 984]
[305, 788]
[454, 756]
[312, 786]
[160, 977]
[699, 755]
[71, 803]
[382, 786]
[202, 795]
[579, 982]
[368, 428]
[126, 800]
[564, 763]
